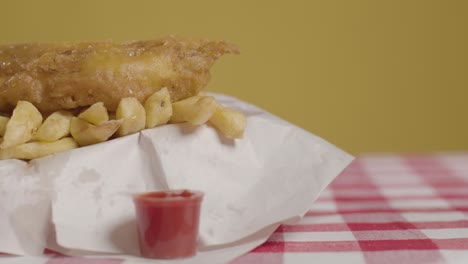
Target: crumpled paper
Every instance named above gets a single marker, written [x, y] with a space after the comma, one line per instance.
[79, 202]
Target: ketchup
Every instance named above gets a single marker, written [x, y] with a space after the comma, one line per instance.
[168, 223]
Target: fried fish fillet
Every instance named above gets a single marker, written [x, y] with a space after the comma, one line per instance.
[73, 75]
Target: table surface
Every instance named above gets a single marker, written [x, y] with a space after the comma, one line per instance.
[384, 208]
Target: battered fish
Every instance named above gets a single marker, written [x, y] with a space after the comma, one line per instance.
[73, 75]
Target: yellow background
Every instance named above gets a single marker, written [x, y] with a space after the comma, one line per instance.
[366, 75]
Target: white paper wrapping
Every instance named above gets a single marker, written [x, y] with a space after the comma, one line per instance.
[82, 198]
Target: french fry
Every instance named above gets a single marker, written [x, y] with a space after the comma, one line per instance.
[22, 125]
[93, 125]
[133, 115]
[3, 122]
[229, 122]
[34, 150]
[55, 127]
[196, 110]
[158, 108]
[95, 114]
[86, 133]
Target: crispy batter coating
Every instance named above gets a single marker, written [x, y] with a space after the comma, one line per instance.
[55, 76]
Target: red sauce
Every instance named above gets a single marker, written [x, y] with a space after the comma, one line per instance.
[168, 223]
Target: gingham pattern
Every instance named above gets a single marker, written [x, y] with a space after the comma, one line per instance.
[381, 209]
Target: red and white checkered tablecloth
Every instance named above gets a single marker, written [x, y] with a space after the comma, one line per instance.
[382, 209]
